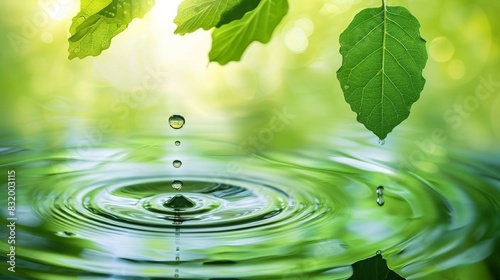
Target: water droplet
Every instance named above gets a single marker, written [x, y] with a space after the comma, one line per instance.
[176, 121]
[177, 163]
[346, 87]
[380, 196]
[177, 259]
[177, 185]
[381, 142]
[177, 143]
[66, 234]
[379, 253]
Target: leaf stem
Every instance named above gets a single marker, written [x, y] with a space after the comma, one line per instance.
[383, 3]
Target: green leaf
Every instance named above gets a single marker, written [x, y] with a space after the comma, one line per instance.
[232, 39]
[374, 268]
[238, 11]
[99, 21]
[381, 74]
[194, 14]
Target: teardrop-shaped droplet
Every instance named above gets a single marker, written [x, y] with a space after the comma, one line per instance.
[177, 185]
[177, 143]
[380, 196]
[177, 163]
[379, 253]
[176, 121]
[381, 142]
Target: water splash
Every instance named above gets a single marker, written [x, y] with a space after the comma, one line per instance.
[180, 202]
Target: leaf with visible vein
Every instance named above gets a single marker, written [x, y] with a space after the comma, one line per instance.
[195, 14]
[99, 21]
[381, 73]
[232, 39]
[237, 12]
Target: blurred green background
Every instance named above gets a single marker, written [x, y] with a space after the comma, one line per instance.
[148, 73]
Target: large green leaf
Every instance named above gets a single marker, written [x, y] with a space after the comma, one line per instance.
[194, 14]
[381, 74]
[232, 39]
[99, 21]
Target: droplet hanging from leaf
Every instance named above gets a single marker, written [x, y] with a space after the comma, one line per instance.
[381, 73]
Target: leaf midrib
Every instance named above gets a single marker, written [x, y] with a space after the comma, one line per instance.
[384, 7]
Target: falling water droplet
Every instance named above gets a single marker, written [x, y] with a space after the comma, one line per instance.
[380, 196]
[176, 121]
[346, 87]
[177, 185]
[177, 163]
[381, 142]
[177, 143]
[379, 253]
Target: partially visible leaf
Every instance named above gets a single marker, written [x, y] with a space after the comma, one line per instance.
[99, 21]
[374, 268]
[238, 11]
[381, 74]
[232, 39]
[195, 14]
[90, 7]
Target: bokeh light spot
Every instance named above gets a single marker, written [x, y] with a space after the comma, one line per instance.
[456, 69]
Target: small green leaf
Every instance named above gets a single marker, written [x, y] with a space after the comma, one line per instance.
[194, 14]
[99, 21]
[381, 74]
[232, 39]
